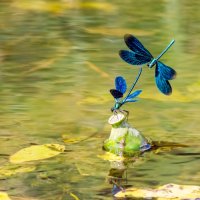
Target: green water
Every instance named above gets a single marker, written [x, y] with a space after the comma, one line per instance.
[58, 60]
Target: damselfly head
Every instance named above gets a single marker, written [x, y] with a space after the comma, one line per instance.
[116, 106]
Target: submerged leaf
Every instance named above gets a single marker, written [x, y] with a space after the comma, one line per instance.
[169, 191]
[12, 170]
[37, 152]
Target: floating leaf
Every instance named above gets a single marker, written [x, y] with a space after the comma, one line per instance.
[37, 152]
[169, 191]
[111, 157]
[12, 170]
[4, 196]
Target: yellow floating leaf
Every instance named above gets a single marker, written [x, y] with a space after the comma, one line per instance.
[4, 196]
[119, 32]
[111, 157]
[12, 170]
[37, 152]
[169, 191]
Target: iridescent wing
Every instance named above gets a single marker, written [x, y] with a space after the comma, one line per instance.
[131, 97]
[134, 94]
[162, 84]
[116, 94]
[120, 84]
[165, 71]
[130, 100]
[136, 46]
[133, 58]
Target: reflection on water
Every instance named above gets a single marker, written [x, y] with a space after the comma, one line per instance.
[58, 61]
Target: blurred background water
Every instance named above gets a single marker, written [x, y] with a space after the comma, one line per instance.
[58, 60]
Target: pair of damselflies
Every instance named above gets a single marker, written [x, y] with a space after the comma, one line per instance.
[139, 55]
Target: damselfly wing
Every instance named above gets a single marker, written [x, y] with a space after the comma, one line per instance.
[120, 87]
[120, 90]
[139, 55]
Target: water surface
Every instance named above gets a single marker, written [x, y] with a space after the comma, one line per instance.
[58, 62]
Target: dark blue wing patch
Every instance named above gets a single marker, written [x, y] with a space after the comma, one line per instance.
[165, 71]
[136, 46]
[120, 84]
[133, 58]
[162, 84]
[116, 94]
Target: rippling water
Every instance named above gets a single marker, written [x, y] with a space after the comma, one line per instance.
[58, 61]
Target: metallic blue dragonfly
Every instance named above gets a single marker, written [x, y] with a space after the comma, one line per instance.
[139, 55]
[120, 90]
